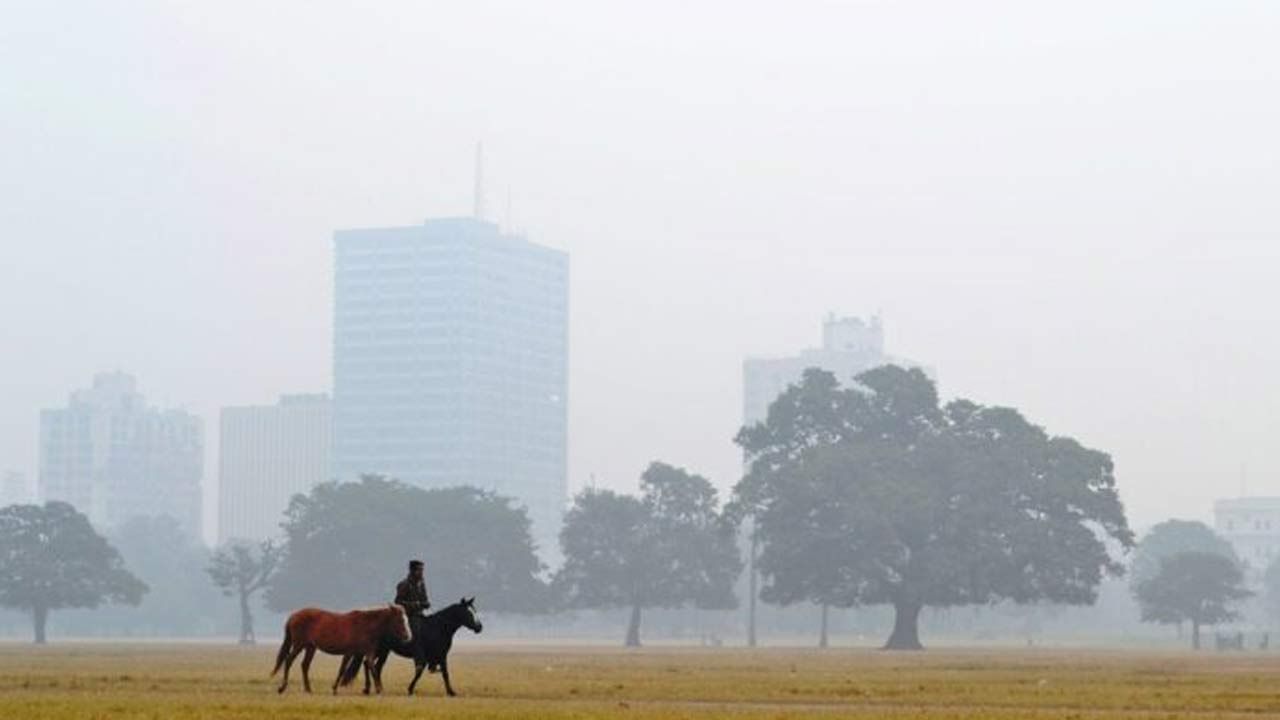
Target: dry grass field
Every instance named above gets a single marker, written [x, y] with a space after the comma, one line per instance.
[199, 681]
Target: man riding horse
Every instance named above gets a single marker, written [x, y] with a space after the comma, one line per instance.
[411, 594]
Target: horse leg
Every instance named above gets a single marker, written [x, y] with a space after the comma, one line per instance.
[377, 670]
[306, 667]
[369, 660]
[444, 673]
[288, 663]
[344, 667]
[366, 677]
[418, 665]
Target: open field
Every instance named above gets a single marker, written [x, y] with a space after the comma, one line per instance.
[199, 681]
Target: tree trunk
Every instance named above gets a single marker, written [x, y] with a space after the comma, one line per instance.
[1195, 634]
[751, 584]
[906, 627]
[246, 620]
[822, 634]
[39, 616]
[633, 628]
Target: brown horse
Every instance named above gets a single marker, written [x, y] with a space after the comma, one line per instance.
[359, 633]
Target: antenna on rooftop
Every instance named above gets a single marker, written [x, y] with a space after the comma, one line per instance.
[478, 209]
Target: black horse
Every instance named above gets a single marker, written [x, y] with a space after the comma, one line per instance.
[432, 639]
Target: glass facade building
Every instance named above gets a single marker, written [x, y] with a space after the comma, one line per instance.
[450, 362]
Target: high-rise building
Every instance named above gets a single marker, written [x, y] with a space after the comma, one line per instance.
[13, 489]
[113, 457]
[266, 455]
[850, 345]
[450, 361]
[1252, 526]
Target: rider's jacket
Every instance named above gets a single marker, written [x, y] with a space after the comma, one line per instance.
[412, 596]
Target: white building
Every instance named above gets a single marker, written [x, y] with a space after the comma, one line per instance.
[1252, 526]
[850, 345]
[267, 455]
[114, 458]
[450, 362]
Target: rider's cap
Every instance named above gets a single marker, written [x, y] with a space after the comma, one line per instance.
[415, 564]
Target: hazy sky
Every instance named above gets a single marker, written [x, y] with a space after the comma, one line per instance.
[1066, 207]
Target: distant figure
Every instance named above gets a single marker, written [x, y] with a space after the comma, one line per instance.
[411, 594]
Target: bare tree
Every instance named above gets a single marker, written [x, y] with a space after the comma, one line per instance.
[242, 569]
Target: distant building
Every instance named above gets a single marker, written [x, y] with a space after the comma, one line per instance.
[450, 361]
[850, 345]
[1252, 526]
[13, 489]
[266, 455]
[114, 458]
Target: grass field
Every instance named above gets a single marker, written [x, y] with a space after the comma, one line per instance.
[199, 681]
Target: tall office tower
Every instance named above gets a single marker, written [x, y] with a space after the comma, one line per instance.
[266, 455]
[450, 362]
[850, 346]
[114, 458]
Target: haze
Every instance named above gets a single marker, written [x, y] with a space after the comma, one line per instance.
[1067, 208]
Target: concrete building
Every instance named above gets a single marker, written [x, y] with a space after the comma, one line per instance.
[113, 457]
[850, 345]
[266, 455]
[13, 489]
[1252, 526]
[450, 361]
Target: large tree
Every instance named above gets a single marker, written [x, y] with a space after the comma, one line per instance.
[1200, 587]
[1271, 589]
[667, 548]
[240, 569]
[51, 558]
[1169, 538]
[876, 493]
[161, 553]
[346, 545]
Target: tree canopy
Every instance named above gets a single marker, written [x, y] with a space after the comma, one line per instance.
[1271, 589]
[51, 558]
[876, 493]
[1200, 587]
[667, 548]
[1169, 538]
[347, 544]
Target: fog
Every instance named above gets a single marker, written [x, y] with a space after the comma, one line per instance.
[1068, 209]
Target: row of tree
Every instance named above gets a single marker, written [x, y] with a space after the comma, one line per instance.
[866, 494]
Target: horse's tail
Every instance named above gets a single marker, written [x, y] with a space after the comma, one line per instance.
[284, 651]
[350, 669]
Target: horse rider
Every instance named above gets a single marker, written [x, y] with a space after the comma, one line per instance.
[411, 594]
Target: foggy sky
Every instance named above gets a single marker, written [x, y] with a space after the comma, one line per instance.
[1070, 208]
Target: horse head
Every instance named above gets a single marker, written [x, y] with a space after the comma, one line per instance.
[468, 616]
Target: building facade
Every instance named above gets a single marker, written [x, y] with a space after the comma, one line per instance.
[114, 458]
[1252, 526]
[850, 345]
[266, 455]
[450, 362]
